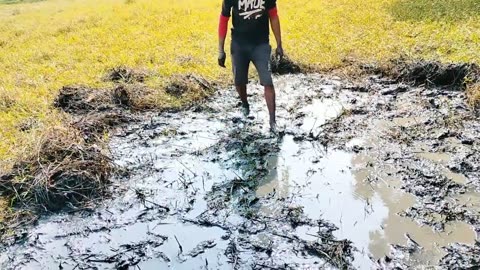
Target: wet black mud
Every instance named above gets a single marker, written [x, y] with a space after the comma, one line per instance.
[379, 175]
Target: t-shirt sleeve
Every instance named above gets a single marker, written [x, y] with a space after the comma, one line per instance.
[227, 8]
[271, 4]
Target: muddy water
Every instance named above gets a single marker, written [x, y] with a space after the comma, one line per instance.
[335, 185]
[353, 179]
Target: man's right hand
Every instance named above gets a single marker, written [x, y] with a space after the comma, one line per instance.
[222, 57]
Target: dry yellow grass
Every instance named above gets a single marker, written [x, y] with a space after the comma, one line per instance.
[3, 205]
[474, 95]
[48, 44]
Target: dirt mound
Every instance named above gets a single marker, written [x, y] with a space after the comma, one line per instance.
[189, 84]
[284, 65]
[123, 74]
[432, 74]
[64, 171]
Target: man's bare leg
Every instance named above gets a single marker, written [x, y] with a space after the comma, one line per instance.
[242, 92]
[270, 99]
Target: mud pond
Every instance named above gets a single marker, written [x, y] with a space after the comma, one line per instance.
[373, 176]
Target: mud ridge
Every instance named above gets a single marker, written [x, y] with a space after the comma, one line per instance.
[431, 73]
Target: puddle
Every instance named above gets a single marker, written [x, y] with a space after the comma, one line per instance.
[436, 157]
[456, 177]
[334, 185]
[319, 112]
[408, 121]
[207, 189]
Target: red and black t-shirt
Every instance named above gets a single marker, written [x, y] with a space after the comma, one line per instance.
[250, 19]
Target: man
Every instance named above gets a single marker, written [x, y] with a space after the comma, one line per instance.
[250, 43]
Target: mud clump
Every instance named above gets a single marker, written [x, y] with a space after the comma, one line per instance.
[125, 75]
[180, 86]
[64, 171]
[81, 100]
[284, 65]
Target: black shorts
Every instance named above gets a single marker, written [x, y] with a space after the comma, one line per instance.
[243, 54]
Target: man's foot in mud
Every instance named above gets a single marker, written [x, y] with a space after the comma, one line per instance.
[246, 109]
[273, 128]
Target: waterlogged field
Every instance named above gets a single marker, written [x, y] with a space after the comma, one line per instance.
[48, 44]
[394, 139]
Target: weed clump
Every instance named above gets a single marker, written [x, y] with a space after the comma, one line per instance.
[28, 124]
[125, 75]
[64, 171]
[197, 86]
[473, 92]
[6, 101]
[80, 100]
[134, 97]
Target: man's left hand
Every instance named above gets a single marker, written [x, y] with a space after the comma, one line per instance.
[222, 57]
[279, 52]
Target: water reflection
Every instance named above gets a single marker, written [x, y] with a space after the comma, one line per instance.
[362, 200]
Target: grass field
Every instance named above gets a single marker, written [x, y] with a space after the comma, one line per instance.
[45, 45]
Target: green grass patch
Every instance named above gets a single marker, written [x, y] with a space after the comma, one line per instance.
[435, 10]
[17, 1]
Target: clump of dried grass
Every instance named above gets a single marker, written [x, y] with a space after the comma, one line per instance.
[64, 171]
[192, 85]
[82, 99]
[6, 101]
[473, 92]
[124, 74]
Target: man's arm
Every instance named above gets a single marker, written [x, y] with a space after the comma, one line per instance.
[222, 32]
[275, 24]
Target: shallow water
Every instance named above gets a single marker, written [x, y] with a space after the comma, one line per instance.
[208, 189]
